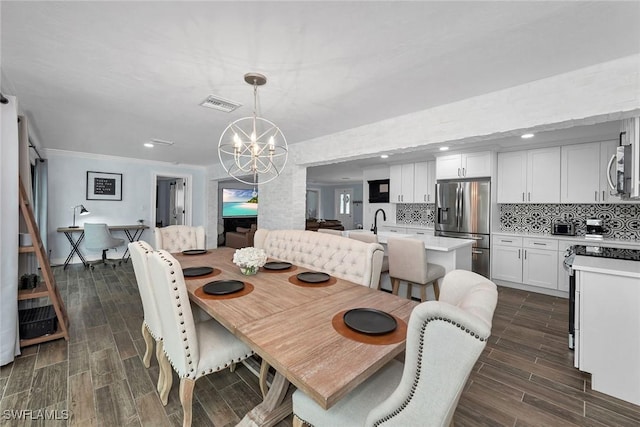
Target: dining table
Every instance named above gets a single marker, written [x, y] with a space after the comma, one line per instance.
[298, 328]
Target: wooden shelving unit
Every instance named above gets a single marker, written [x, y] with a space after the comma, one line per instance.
[46, 288]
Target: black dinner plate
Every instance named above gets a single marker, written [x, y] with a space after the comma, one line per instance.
[313, 277]
[223, 287]
[196, 271]
[277, 265]
[370, 321]
[194, 252]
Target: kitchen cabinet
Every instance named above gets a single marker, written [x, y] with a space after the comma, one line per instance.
[467, 165]
[506, 259]
[401, 183]
[531, 176]
[424, 182]
[528, 261]
[540, 263]
[584, 172]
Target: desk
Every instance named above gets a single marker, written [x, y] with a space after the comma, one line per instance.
[290, 327]
[133, 233]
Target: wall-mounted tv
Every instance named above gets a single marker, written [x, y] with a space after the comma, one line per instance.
[239, 203]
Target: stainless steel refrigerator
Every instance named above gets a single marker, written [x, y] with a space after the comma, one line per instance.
[462, 211]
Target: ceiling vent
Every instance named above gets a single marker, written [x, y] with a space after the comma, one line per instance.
[221, 104]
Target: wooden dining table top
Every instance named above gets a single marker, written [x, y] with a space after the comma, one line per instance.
[290, 326]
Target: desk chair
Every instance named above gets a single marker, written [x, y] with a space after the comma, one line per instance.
[444, 340]
[98, 237]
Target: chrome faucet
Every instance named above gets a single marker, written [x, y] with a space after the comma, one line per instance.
[375, 220]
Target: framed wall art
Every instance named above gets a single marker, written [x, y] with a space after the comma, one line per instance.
[104, 186]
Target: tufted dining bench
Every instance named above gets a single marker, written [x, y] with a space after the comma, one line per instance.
[348, 259]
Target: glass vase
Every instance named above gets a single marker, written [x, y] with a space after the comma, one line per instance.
[249, 271]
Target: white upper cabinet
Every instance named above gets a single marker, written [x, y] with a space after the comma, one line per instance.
[580, 180]
[401, 183]
[543, 175]
[424, 182]
[512, 177]
[584, 169]
[469, 165]
[531, 176]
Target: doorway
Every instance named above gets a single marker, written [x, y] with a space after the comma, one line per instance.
[344, 207]
[172, 201]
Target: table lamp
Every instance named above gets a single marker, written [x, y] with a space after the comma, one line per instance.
[83, 211]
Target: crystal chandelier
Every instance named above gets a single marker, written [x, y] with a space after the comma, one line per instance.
[253, 150]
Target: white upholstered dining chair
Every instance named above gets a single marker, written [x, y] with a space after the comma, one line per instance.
[151, 326]
[408, 262]
[371, 238]
[444, 340]
[330, 231]
[193, 349]
[178, 238]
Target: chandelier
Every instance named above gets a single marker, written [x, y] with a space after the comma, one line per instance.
[253, 150]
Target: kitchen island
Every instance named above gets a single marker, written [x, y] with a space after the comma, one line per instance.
[452, 254]
[607, 324]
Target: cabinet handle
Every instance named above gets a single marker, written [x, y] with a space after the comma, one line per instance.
[525, 254]
[541, 244]
[595, 196]
[393, 231]
[506, 241]
[398, 197]
[523, 196]
[518, 253]
[458, 171]
[420, 232]
[464, 173]
[529, 196]
[603, 195]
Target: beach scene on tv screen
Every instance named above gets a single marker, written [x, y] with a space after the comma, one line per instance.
[239, 202]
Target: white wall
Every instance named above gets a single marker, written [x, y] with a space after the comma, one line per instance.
[67, 188]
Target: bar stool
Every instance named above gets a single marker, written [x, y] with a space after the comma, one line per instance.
[408, 262]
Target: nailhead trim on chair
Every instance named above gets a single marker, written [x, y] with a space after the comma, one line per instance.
[419, 367]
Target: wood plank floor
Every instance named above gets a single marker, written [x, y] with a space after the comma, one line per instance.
[525, 377]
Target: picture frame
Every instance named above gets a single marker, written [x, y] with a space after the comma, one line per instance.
[104, 186]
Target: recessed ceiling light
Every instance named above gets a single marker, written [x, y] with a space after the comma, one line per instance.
[444, 148]
[148, 145]
[384, 156]
[527, 136]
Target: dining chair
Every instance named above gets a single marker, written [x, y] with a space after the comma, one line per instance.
[408, 262]
[151, 325]
[444, 340]
[98, 237]
[330, 231]
[193, 349]
[371, 238]
[178, 238]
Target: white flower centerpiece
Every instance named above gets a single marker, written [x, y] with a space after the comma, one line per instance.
[249, 259]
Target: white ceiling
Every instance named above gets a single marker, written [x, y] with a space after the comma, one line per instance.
[105, 77]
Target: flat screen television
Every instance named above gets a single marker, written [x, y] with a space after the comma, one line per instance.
[239, 203]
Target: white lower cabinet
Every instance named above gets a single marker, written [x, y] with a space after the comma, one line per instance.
[540, 268]
[529, 261]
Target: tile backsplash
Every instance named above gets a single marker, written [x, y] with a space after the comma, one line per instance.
[418, 214]
[621, 221]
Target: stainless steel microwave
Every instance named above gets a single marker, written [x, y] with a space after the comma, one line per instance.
[563, 228]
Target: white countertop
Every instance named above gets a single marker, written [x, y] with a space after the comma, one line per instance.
[433, 243]
[616, 267]
[581, 240]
